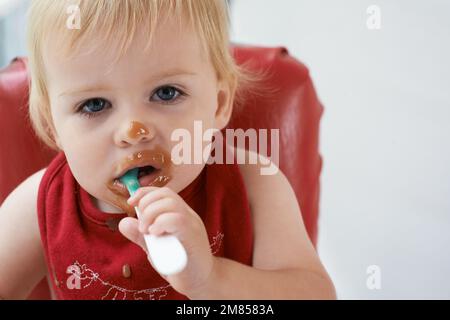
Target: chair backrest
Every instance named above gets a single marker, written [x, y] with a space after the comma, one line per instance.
[292, 107]
[22, 153]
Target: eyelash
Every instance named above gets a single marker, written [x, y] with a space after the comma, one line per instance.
[80, 108]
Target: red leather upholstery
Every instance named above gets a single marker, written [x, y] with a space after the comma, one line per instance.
[293, 109]
[296, 111]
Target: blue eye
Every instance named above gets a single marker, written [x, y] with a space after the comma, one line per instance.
[168, 94]
[93, 107]
[96, 106]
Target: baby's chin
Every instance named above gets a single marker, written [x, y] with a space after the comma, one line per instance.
[112, 205]
[116, 202]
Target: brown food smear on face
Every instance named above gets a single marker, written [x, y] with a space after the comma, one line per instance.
[158, 155]
[136, 130]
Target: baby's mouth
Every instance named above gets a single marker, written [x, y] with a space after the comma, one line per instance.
[154, 170]
[147, 176]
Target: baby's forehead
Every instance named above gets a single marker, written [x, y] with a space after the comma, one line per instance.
[168, 50]
[170, 38]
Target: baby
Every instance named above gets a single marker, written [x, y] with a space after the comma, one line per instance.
[112, 80]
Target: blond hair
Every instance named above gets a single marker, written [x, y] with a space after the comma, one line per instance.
[117, 21]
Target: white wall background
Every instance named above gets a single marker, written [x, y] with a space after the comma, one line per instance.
[12, 29]
[385, 134]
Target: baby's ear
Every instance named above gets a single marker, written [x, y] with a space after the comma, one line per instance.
[225, 97]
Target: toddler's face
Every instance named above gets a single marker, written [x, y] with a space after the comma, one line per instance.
[109, 117]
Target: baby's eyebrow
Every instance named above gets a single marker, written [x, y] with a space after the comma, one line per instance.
[171, 73]
[96, 88]
[84, 90]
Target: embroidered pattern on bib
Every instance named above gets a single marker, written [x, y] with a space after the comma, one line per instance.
[82, 277]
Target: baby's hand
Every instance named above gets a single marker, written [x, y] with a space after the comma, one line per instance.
[164, 211]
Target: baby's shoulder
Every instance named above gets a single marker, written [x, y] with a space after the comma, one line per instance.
[21, 251]
[262, 177]
[22, 201]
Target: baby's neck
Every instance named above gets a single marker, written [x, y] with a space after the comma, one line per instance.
[105, 207]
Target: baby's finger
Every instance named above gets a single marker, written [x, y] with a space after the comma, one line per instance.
[129, 228]
[141, 192]
[151, 197]
[153, 210]
[169, 222]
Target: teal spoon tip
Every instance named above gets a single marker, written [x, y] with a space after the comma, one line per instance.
[131, 181]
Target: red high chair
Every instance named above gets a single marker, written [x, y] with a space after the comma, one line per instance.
[293, 108]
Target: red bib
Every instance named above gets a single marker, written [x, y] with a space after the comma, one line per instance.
[88, 258]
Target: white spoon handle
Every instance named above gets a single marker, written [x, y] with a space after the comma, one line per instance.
[166, 252]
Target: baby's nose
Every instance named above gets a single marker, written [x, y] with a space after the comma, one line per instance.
[135, 132]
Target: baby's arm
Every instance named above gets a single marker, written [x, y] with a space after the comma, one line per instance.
[285, 263]
[22, 263]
